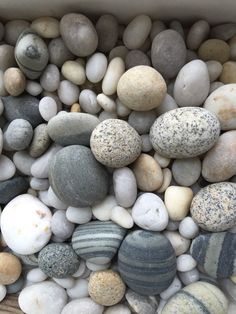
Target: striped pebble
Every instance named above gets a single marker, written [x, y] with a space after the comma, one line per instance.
[216, 253]
[97, 241]
[147, 262]
[197, 298]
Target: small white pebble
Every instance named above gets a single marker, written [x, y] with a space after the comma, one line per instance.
[96, 267]
[189, 276]
[102, 210]
[79, 215]
[161, 160]
[106, 102]
[81, 270]
[3, 292]
[36, 275]
[114, 72]
[61, 226]
[88, 101]
[66, 283]
[118, 309]
[47, 108]
[121, 109]
[54, 200]
[96, 67]
[68, 93]
[7, 168]
[185, 262]
[188, 228]
[179, 243]
[33, 88]
[122, 217]
[79, 290]
[146, 143]
[173, 288]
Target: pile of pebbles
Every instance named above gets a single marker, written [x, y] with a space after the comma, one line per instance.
[118, 166]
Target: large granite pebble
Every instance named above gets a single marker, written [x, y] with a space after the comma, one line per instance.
[184, 132]
[213, 207]
[97, 241]
[146, 262]
[11, 188]
[141, 304]
[215, 252]
[22, 107]
[77, 28]
[72, 128]
[88, 179]
[168, 53]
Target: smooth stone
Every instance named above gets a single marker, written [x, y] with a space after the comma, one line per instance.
[66, 283]
[74, 72]
[58, 52]
[214, 86]
[141, 304]
[115, 70]
[82, 270]
[54, 200]
[10, 268]
[88, 179]
[168, 53]
[214, 69]
[11, 188]
[96, 267]
[190, 276]
[43, 196]
[107, 30]
[108, 239]
[172, 225]
[141, 88]
[228, 286]
[61, 226]
[185, 262]
[173, 288]
[178, 27]
[96, 67]
[46, 27]
[115, 143]
[105, 115]
[136, 57]
[232, 45]
[28, 260]
[36, 275]
[223, 31]
[191, 55]
[192, 84]
[22, 107]
[118, 51]
[161, 160]
[79, 289]
[198, 297]
[68, 92]
[157, 27]
[7, 167]
[42, 298]
[197, 34]
[3, 91]
[228, 73]
[76, 28]
[14, 81]
[102, 210]
[215, 168]
[85, 306]
[106, 103]
[149, 212]
[3, 292]
[118, 309]
[79, 215]
[16, 287]
[185, 132]
[50, 78]
[125, 186]
[88, 101]
[40, 141]
[142, 121]
[13, 29]
[33, 88]
[215, 252]
[122, 217]
[146, 143]
[214, 49]
[186, 171]
[7, 58]
[47, 108]
[25, 224]
[188, 228]
[179, 243]
[167, 178]
[31, 54]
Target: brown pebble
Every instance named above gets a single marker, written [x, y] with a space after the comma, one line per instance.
[228, 74]
[214, 49]
[10, 268]
[14, 81]
[75, 108]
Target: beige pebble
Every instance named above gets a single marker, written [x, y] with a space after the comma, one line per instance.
[106, 102]
[148, 173]
[167, 177]
[228, 74]
[214, 69]
[114, 71]
[74, 72]
[232, 46]
[106, 287]
[75, 107]
[214, 49]
[10, 268]
[179, 243]
[46, 27]
[161, 160]
[14, 81]
[177, 201]
[122, 217]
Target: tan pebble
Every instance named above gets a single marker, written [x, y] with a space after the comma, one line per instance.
[179, 243]
[10, 268]
[75, 108]
[106, 287]
[214, 49]
[232, 46]
[47, 27]
[148, 173]
[228, 74]
[167, 177]
[177, 201]
[74, 72]
[14, 81]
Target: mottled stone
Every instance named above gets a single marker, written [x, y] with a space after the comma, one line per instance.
[11, 188]
[214, 49]
[141, 304]
[40, 141]
[18, 134]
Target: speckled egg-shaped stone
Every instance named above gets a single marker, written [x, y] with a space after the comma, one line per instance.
[115, 143]
[197, 298]
[184, 132]
[213, 207]
[146, 262]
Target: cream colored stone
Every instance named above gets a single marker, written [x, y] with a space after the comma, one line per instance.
[228, 74]
[114, 72]
[14, 81]
[46, 27]
[179, 243]
[161, 160]
[74, 72]
[167, 177]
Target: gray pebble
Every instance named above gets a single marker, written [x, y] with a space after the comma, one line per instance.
[2, 31]
[19, 134]
[223, 31]
[177, 26]
[146, 143]
[157, 27]
[12, 188]
[39, 184]
[1, 141]
[88, 101]
[136, 57]
[198, 32]
[7, 58]
[142, 121]
[191, 55]
[186, 171]
[141, 304]
[61, 227]
[168, 104]
[50, 78]
[16, 286]
[58, 52]
[33, 88]
[214, 86]
[107, 30]
[40, 141]
[23, 162]
[28, 260]
[13, 29]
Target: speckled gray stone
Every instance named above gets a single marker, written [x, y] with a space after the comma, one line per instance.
[184, 132]
[40, 141]
[58, 52]
[11, 188]
[88, 179]
[107, 29]
[213, 207]
[19, 134]
[115, 143]
[141, 304]
[136, 57]
[58, 260]
[168, 53]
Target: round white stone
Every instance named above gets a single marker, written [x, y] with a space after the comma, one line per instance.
[185, 262]
[85, 306]
[66, 283]
[3, 292]
[102, 210]
[118, 309]
[79, 215]
[188, 228]
[79, 290]
[122, 217]
[173, 288]
[7, 168]
[47, 108]
[88, 101]
[68, 92]
[96, 67]
[36, 275]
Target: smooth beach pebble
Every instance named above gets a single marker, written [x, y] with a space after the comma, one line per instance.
[13, 29]
[85, 306]
[46, 27]
[141, 304]
[33, 88]
[3, 292]
[40, 141]
[141, 88]
[14, 81]
[106, 103]
[142, 121]
[149, 212]
[79, 289]
[188, 228]
[228, 73]
[118, 51]
[7, 168]
[68, 92]
[214, 69]
[107, 29]
[186, 171]
[197, 34]
[50, 78]
[96, 267]
[11, 188]
[58, 52]
[25, 224]
[74, 72]
[167, 177]
[47, 108]
[106, 287]
[115, 69]
[96, 67]
[66, 283]
[168, 104]
[122, 217]
[10, 268]
[157, 27]
[102, 210]
[188, 277]
[36, 275]
[88, 101]
[185, 262]
[161, 160]
[118, 309]
[173, 288]
[61, 227]
[179, 243]
[214, 49]
[136, 57]
[7, 58]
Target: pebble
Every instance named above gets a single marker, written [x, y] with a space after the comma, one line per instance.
[40, 141]
[76, 28]
[13, 29]
[167, 105]
[157, 27]
[105, 115]
[22, 107]
[7, 167]
[227, 75]
[174, 287]
[79, 289]
[115, 70]
[186, 171]
[214, 49]
[118, 309]
[85, 306]
[168, 53]
[16, 287]
[142, 121]
[179, 243]
[121, 217]
[79, 215]
[106, 103]
[33, 88]
[58, 52]
[184, 132]
[223, 31]
[68, 92]
[54, 200]
[3, 292]
[212, 208]
[7, 58]
[88, 101]
[50, 78]
[232, 45]
[11, 188]
[25, 224]
[214, 69]
[3, 91]
[188, 228]
[47, 108]
[88, 182]
[102, 210]
[135, 58]
[215, 253]
[172, 225]
[96, 267]
[61, 227]
[146, 143]
[107, 29]
[31, 54]
[125, 186]
[190, 276]
[200, 297]
[167, 177]
[28, 260]
[118, 51]
[185, 262]
[141, 88]
[149, 212]
[66, 283]
[161, 160]
[36, 275]
[96, 67]
[192, 84]
[42, 298]
[14, 81]
[140, 255]
[74, 72]
[115, 143]
[214, 86]
[10, 268]
[197, 34]
[108, 239]
[81, 270]
[46, 27]
[178, 27]
[141, 304]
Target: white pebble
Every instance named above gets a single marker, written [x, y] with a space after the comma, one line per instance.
[102, 210]
[161, 160]
[96, 67]
[66, 283]
[188, 228]
[33, 88]
[61, 226]
[68, 93]
[79, 215]
[121, 109]
[54, 200]
[74, 72]
[118, 309]
[173, 288]
[88, 101]
[85, 306]
[7, 168]
[96, 267]
[47, 108]
[3, 292]
[167, 177]
[39, 184]
[36, 275]
[81, 270]
[114, 71]
[189, 276]
[185, 262]
[122, 217]
[43, 196]
[104, 115]
[161, 306]
[146, 143]
[179, 243]
[106, 102]
[23, 162]
[79, 290]
[50, 78]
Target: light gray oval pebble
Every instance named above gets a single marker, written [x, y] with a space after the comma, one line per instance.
[88, 101]
[186, 171]
[197, 34]
[58, 52]
[157, 27]
[168, 104]
[61, 227]
[7, 167]
[19, 134]
[23, 162]
[142, 121]
[68, 92]
[50, 78]
[13, 29]
[39, 184]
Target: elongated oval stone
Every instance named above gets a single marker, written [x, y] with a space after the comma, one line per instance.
[147, 262]
[216, 253]
[97, 241]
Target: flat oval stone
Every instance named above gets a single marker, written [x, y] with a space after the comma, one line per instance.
[184, 132]
[186, 171]
[107, 28]
[146, 262]
[213, 207]
[77, 28]
[11, 188]
[97, 241]
[96, 67]
[197, 34]
[88, 179]
[214, 49]
[215, 252]
[72, 128]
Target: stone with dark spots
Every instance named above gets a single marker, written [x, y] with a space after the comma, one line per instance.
[12, 188]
